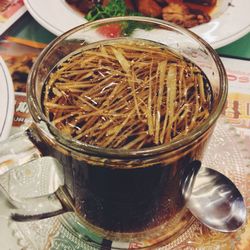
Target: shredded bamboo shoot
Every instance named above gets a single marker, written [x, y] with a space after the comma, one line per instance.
[130, 95]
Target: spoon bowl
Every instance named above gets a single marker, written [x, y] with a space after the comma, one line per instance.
[214, 199]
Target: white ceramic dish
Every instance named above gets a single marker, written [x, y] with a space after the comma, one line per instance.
[6, 101]
[230, 19]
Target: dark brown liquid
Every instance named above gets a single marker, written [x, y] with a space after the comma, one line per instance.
[125, 200]
[130, 194]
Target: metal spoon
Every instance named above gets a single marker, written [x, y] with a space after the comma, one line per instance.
[213, 199]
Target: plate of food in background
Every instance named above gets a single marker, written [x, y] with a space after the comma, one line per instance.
[219, 22]
[6, 101]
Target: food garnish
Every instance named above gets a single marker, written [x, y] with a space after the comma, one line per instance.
[115, 8]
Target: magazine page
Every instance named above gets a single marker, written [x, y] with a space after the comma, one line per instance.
[10, 12]
[19, 55]
[237, 108]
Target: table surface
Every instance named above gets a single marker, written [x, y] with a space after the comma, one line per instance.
[28, 28]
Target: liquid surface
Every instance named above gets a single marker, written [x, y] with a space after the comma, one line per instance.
[128, 94]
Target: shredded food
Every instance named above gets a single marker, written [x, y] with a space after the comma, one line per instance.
[126, 94]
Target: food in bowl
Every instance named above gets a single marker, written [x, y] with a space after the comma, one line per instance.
[126, 94]
[187, 13]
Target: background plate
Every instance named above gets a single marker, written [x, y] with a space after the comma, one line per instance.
[6, 101]
[230, 19]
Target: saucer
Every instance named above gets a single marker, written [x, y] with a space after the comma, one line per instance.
[225, 152]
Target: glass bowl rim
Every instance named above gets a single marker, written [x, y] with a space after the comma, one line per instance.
[79, 146]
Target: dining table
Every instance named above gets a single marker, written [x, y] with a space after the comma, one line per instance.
[228, 150]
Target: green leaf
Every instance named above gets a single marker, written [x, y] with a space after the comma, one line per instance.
[117, 8]
[114, 8]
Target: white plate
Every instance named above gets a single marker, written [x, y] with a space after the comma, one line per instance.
[6, 101]
[230, 19]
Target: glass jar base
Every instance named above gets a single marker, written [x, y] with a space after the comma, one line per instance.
[157, 237]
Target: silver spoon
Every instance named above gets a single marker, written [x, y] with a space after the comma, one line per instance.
[213, 199]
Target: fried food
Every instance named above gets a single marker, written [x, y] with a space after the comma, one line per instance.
[149, 8]
[180, 14]
[187, 13]
[201, 2]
